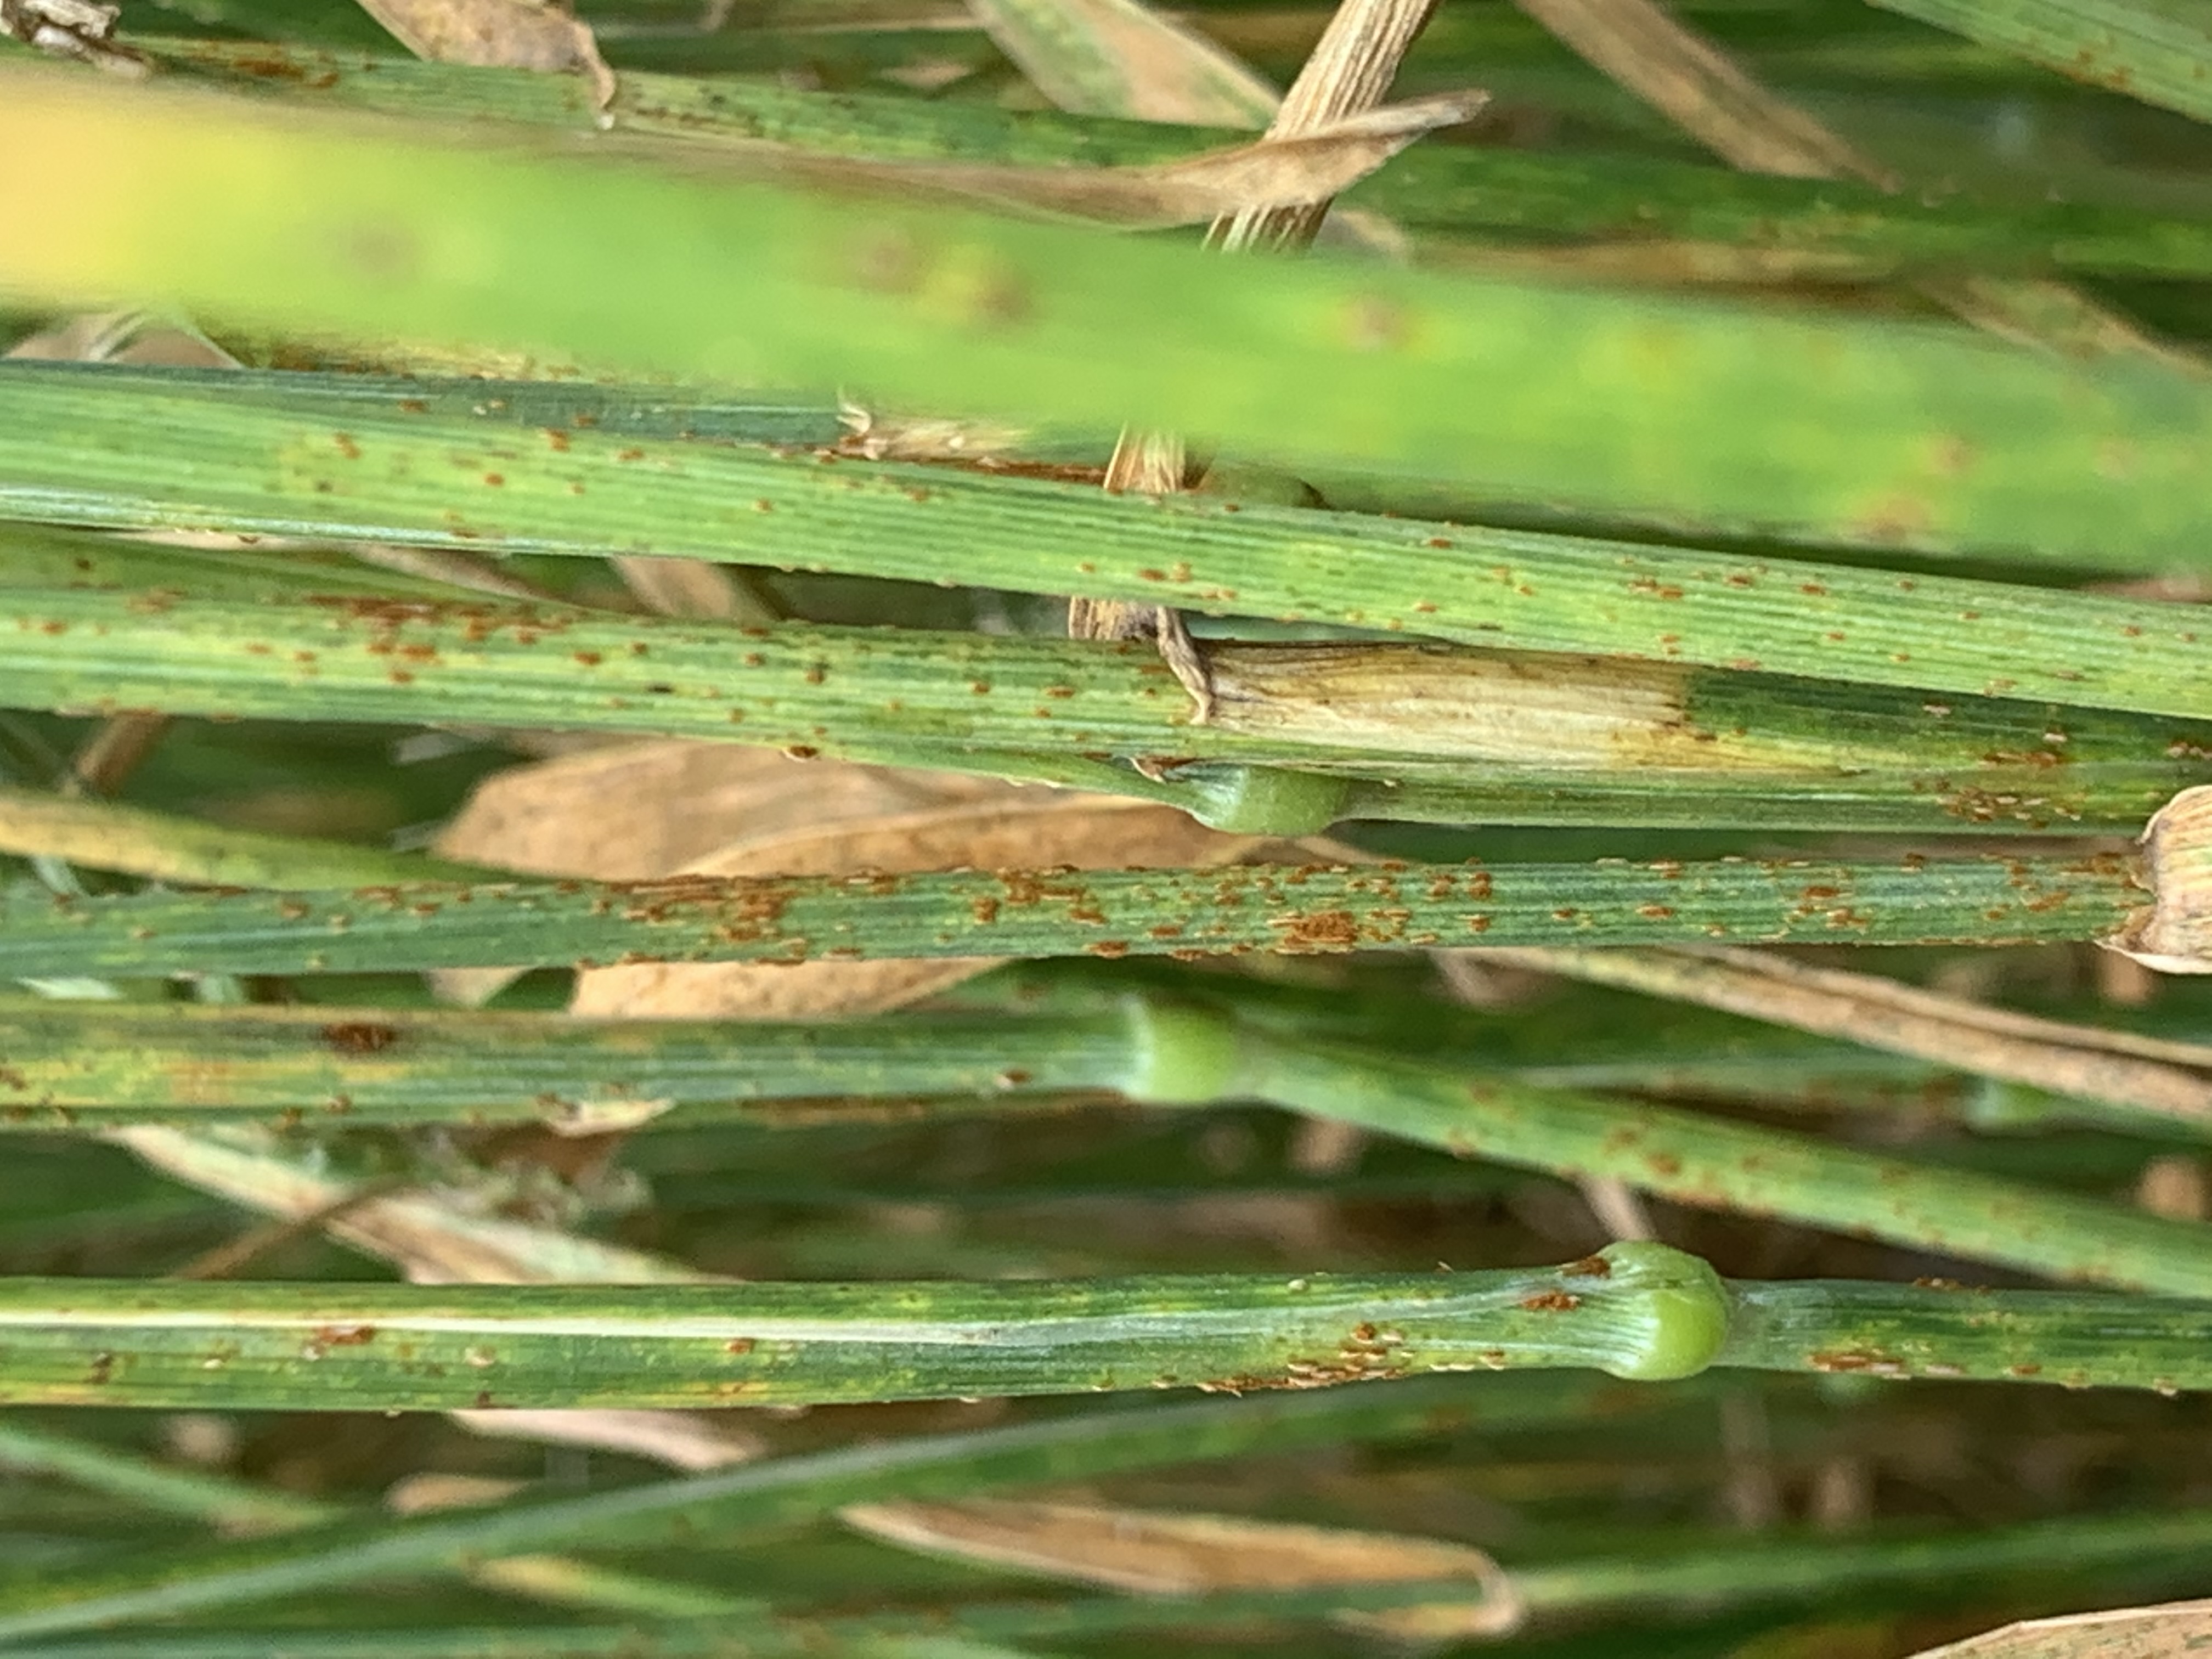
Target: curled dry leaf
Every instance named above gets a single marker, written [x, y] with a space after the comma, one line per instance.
[1118, 58]
[1154, 1553]
[2166, 1631]
[522, 34]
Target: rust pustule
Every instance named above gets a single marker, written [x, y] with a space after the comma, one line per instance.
[359, 1038]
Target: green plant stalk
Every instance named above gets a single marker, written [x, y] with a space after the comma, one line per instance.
[88, 1065]
[194, 1067]
[2158, 51]
[1450, 188]
[1229, 910]
[775, 1493]
[1643, 1311]
[65, 1068]
[1712, 1163]
[1647, 1312]
[1392, 731]
[1873, 432]
[149, 449]
[1940, 1329]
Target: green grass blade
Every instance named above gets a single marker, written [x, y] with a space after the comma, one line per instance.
[1871, 432]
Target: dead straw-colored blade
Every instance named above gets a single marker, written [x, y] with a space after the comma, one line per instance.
[1149, 1552]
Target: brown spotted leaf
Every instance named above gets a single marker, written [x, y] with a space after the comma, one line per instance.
[1156, 1554]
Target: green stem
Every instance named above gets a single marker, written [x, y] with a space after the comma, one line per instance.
[1715, 1164]
[1638, 1310]
[89, 1065]
[1648, 1312]
[1231, 910]
[120, 1064]
[1937, 1329]
[151, 448]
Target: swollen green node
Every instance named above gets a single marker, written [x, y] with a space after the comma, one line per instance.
[1684, 1301]
[1179, 1054]
[1265, 800]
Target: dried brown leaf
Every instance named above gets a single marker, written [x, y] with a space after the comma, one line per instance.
[1014, 827]
[634, 811]
[521, 35]
[2166, 1631]
[1155, 1553]
[1118, 57]
[1279, 172]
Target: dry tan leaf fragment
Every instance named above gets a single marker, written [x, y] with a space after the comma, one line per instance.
[522, 34]
[1276, 173]
[2166, 1631]
[694, 1441]
[1118, 58]
[1154, 1553]
[634, 811]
